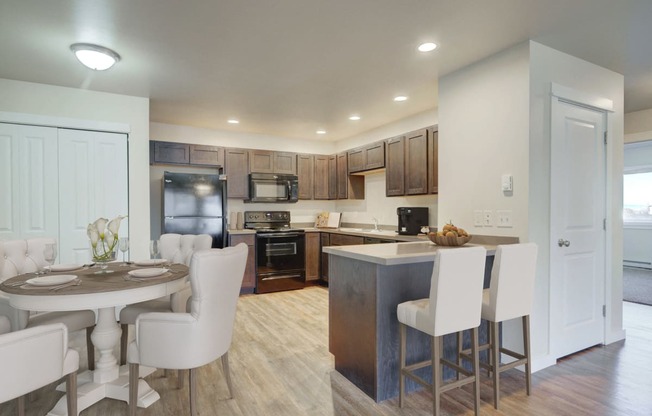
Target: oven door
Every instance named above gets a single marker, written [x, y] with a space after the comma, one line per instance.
[280, 261]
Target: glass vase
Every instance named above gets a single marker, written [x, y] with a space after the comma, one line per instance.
[102, 254]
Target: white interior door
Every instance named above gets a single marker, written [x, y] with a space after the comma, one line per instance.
[577, 252]
[29, 185]
[94, 183]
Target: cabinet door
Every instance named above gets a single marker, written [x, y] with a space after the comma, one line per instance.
[395, 167]
[249, 280]
[433, 160]
[374, 156]
[342, 176]
[332, 177]
[312, 256]
[416, 162]
[261, 161]
[345, 240]
[235, 167]
[285, 162]
[305, 171]
[206, 155]
[321, 177]
[356, 160]
[325, 242]
[166, 152]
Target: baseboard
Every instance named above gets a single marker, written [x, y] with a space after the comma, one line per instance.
[539, 363]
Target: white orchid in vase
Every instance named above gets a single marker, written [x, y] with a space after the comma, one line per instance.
[104, 238]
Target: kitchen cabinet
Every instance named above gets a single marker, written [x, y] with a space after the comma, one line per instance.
[333, 239]
[348, 186]
[332, 177]
[395, 166]
[433, 160]
[206, 155]
[305, 172]
[249, 280]
[185, 154]
[324, 242]
[407, 164]
[321, 177]
[366, 158]
[235, 167]
[313, 254]
[267, 161]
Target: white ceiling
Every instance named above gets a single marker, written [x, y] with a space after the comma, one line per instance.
[289, 67]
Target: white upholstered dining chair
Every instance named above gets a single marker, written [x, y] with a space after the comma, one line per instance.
[5, 326]
[181, 341]
[35, 357]
[176, 248]
[26, 256]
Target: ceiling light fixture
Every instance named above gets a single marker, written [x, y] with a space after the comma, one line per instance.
[95, 57]
[321, 132]
[427, 47]
[399, 98]
[232, 121]
[354, 118]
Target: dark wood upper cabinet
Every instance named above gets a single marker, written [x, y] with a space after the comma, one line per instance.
[356, 160]
[166, 152]
[267, 161]
[285, 162]
[236, 162]
[206, 155]
[332, 177]
[305, 171]
[395, 166]
[433, 157]
[321, 177]
[368, 157]
[185, 154]
[416, 162]
[342, 176]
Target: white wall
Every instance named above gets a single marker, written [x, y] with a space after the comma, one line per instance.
[98, 109]
[638, 126]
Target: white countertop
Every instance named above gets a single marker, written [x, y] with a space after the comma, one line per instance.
[396, 253]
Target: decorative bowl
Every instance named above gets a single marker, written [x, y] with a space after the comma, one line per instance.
[449, 241]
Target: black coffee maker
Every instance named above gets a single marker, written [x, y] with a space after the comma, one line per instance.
[411, 219]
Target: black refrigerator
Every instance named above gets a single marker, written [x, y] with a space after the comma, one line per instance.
[195, 204]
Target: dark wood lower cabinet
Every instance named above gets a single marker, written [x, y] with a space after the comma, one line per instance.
[313, 254]
[325, 242]
[249, 281]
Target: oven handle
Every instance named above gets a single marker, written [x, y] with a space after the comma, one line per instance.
[285, 276]
[278, 235]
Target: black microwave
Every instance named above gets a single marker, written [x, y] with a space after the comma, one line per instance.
[272, 187]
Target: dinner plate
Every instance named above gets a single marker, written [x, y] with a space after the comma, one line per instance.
[150, 262]
[148, 272]
[52, 280]
[64, 267]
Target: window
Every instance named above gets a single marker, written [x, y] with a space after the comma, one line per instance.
[637, 197]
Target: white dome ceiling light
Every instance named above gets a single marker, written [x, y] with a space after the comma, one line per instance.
[95, 57]
[427, 47]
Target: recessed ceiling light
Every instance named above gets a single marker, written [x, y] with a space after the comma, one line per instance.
[321, 132]
[354, 118]
[232, 121]
[427, 47]
[400, 98]
[95, 57]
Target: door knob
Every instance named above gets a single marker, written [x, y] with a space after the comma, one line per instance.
[563, 243]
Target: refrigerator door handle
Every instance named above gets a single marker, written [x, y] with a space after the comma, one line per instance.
[169, 218]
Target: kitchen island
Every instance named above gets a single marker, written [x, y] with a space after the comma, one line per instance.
[366, 283]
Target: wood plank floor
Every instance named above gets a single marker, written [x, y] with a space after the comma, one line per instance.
[281, 366]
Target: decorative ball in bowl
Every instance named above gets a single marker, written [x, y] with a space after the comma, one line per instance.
[442, 240]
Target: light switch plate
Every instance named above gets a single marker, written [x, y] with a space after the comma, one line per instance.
[488, 218]
[507, 183]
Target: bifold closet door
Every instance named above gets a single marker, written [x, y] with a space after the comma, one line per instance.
[93, 177]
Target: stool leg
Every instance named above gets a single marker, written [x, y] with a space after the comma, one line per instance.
[489, 353]
[495, 358]
[460, 341]
[526, 352]
[476, 370]
[436, 375]
[401, 364]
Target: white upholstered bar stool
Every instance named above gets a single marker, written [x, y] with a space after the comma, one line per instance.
[176, 248]
[454, 305]
[509, 296]
[26, 256]
[190, 340]
[35, 357]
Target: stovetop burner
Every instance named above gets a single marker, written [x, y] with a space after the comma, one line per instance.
[269, 221]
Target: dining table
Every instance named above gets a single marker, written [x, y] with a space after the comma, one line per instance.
[126, 283]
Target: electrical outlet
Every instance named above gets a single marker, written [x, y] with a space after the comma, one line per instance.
[488, 218]
[477, 218]
[504, 218]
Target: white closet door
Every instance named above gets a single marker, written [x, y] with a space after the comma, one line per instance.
[93, 183]
[29, 186]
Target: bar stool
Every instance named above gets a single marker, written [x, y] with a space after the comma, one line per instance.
[454, 305]
[509, 296]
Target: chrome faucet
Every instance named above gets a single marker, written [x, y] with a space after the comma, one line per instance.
[375, 220]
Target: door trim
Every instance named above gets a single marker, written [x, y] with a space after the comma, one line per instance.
[580, 98]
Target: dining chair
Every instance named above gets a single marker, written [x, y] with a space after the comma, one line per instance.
[176, 248]
[26, 256]
[453, 305]
[180, 341]
[35, 357]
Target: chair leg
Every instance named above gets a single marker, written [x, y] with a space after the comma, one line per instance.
[401, 363]
[20, 409]
[180, 378]
[476, 370]
[71, 393]
[133, 388]
[90, 348]
[495, 358]
[526, 352]
[193, 391]
[124, 339]
[436, 375]
[227, 373]
[460, 343]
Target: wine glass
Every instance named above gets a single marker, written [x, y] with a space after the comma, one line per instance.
[50, 254]
[123, 245]
[154, 248]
